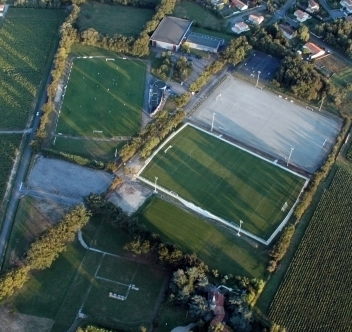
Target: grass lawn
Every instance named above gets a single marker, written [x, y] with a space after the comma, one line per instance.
[194, 12]
[113, 19]
[88, 148]
[29, 223]
[104, 96]
[343, 77]
[225, 36]
[219, 247]
[75, 281]
[225, 180]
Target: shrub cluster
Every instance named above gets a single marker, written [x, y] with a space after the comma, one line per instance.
[150, 137]
[73, 158]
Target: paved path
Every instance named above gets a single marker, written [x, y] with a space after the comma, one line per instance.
[24, 131]
[183, 328]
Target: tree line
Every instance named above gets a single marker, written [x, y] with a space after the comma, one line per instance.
[337, 34]
[234, 53]
[45, 250]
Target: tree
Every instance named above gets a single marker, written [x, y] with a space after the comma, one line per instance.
[12, 281]
[303, 33]
[281, 246]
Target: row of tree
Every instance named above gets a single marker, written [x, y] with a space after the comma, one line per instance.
[150, 137]
[337, 34]
[234, 53]
[44, 250]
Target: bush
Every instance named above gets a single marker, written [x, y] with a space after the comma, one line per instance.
[281, 246]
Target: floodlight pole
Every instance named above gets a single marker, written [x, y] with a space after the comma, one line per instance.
[289, 157]
[155, 191]
[325, 141]
[212, 123]
[258, 78]
[239, 230]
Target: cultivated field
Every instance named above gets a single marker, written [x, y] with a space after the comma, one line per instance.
[315, 293]
[8, 148]
[80, 282]
[266, 122]
[113, 19]
[28, 40]
[225, 180]
[103, 98]
[219, 247]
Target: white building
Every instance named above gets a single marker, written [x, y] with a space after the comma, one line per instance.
[240, 27]
[314, 50]
[239, 4]
[301, 16]
[347, 4]
[256, 19]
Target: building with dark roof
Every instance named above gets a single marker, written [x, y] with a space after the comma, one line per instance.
[203, 42]
[170, 33]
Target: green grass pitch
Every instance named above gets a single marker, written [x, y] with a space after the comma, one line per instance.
[104, 96]
[225, 180]
[214, 244]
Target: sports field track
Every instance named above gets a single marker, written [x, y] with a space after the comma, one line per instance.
[225, 180]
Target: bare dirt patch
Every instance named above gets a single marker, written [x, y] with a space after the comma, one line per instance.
[66, 179]
[129, 196]
[16, 322]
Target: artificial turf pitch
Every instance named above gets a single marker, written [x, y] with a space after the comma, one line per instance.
[103, 98]
[225, 180]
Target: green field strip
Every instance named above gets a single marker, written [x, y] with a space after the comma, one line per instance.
[225, 180]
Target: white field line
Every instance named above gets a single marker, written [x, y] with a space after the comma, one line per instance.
[206, 213]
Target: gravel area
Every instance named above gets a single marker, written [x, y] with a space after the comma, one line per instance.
[129, 196]
[265, 121]
[66, 179]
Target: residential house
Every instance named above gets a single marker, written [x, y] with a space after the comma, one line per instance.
[240, 27]
[288, 32]
[314, 50]
[301, 16]
[2, 8]
[170, 33]
[239, 4]
[256, 19]
[313, 6]
[348, 18]
[347, 4]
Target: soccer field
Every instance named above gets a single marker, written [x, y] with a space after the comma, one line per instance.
[103, 98]
[225, 180]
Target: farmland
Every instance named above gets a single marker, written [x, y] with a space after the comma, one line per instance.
[113, 19]
[8, 148]
[82, 279]
[28, 39]
[217, 246]
[104, 97]
[225, 180]
[314, 294]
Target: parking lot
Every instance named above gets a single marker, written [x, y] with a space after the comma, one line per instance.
[259, 63]
[266, 122]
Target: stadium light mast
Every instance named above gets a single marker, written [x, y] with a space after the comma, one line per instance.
[239, 230]
[321, 104]
[155, 191]
[258, 78]
[289, 157]
[212, 122]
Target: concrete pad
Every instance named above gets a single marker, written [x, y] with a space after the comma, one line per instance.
[264, 121]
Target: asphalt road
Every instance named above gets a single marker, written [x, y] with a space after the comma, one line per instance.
[20, 176]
